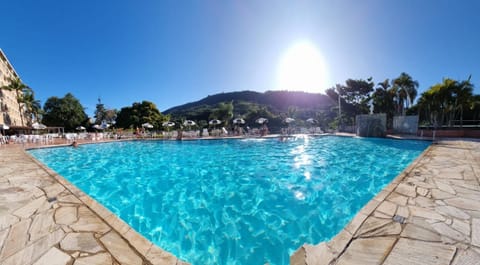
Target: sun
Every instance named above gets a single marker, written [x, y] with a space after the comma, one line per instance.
[302, 68]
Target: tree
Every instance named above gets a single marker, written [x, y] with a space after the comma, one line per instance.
[444, 102]
[32, 106]
[383, 101]
[104, 115]
[405, 89]
[100, 112]
[138, 114]
[223, 112]
[19, 87]
[64, 112]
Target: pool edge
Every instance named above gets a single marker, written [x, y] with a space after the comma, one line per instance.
[335, 247]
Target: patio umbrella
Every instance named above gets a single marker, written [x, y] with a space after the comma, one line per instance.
[80, 128]
[215, 122]
[289, 120]
[312, 120]
[261, 120]
[4, 127]
[39, 126]
[147, 125]
[97, 127]
[168, 124]
[238, 121]
[189, 123]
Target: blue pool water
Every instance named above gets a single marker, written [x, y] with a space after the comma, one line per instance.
[234, 201]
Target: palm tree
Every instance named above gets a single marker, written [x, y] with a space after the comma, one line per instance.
[406, 90]
[19, 87]
[32, 106]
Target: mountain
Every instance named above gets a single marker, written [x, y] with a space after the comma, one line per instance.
[276, 101]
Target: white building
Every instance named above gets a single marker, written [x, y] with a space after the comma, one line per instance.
[11, 113]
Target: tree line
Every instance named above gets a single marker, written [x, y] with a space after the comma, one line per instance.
[448, 103]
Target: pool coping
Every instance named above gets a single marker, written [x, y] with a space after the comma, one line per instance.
[343, 238]
[147, 249]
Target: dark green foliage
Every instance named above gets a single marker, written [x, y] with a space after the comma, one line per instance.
[64, 112]
[138, 114]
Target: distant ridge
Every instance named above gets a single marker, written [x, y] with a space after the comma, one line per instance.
[277, 101]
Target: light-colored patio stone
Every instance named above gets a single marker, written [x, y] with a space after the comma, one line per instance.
[88, 221]
[368, 251]
[84, 242]
[33, 251]
[158, 256]
[27, 210]
[461, 226]
[42, 225]
[66, 215]
[464, 203]
[120, 249]
[17, 239]
[425, 213]
[453, 212]
[407, 190]
[440, 195]
[3, 236]
[446, 230]
[54, 257]
[388, 208]
[476, 232]
[415, 232]
[466, 257]
[413, 252]
[53, 190]
[397, 199]
[6, 220]
[68, 199]
[98, 259]
[444, 187]
[141, 243]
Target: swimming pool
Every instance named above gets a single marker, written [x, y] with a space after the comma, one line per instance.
[246, 201]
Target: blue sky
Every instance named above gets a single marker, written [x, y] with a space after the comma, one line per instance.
[174, 52]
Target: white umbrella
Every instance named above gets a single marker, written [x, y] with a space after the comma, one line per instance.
[189, 123]
[238, 121]
[97, 127]
[147, 125]
[215, 122]
[261, 120]
[289, 120]
[4, 127]
[80, 128]
[39, 126]
[168, 124]
[312, 120]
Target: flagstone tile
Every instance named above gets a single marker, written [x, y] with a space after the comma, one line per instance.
[120, 249]
[83, 242]
[54, 257]
[416, 232]
[66, 215]
[98, 259]
[413, 252]
[17, 239]
[367, 251]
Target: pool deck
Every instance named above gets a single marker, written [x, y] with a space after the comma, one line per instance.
[429, 214]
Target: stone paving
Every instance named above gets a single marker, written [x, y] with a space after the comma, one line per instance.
[46, 220]
[430, 214]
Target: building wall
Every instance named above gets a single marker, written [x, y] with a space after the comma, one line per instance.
[9, 107]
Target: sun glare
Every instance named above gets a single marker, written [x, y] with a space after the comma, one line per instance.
[302, 68]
